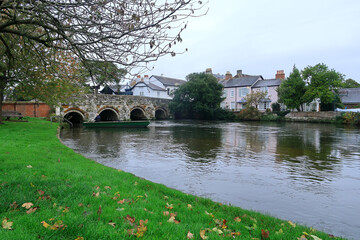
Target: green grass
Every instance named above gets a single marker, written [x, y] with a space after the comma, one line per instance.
[78, 198]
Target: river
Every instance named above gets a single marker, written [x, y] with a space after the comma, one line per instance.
[306, 173]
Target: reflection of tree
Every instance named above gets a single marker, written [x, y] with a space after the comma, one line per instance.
[200, 143]
[308, 148]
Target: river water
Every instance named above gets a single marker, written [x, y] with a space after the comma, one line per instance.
[306, 173]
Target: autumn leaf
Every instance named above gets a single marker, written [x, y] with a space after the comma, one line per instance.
[141, 231]
[209, 214]
[111, 223]
[79, 238]
[190, 235]
[189, 206]
[31, 210]
[315, 237]
[41, 192]
[6, 224]
[202, 234]
[302, 238]
[171, 219]
[45, 224]
[169, 206]
[95, 194]
[66, 209]
[237, 219]
[218, 231]
[107, 187]
[29, 166]
[292, 224]
[130, 219]
[14, 205]
[223, 226]
[121, 201]
[80, 204]
[99, 211]
[166, 213]
[265, 234]
[27, 205]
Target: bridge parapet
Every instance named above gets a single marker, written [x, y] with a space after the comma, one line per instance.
[115, 107]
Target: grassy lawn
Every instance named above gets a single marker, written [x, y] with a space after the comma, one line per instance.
[47, 191]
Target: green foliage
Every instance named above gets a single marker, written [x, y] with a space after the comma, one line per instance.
[271, 117]
[276, 107]
[199, 97]
[350, 83]
[102, 72]
[282, 113]
[352, 118]
[292, 90]
[322, 82]
[249, 114]
[254, 98]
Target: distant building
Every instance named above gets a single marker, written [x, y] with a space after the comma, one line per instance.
[238, 87]
[350, 97]
[156, 86]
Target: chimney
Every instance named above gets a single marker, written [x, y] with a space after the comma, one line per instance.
[146, 78]
[280, 74]
[239, 73]
[208, 71]
[228, 75]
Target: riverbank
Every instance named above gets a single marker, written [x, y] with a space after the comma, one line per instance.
[48, 191]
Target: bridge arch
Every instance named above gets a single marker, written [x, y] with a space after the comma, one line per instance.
[137, 113]
[75, 116]
[161, 113]
[109, 114]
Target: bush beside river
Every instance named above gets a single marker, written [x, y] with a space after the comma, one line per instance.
[49, 191]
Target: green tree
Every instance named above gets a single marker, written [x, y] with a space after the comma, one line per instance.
[322, 83]
[350, 83]
[291, 91]
[253, 99]
[199, 97]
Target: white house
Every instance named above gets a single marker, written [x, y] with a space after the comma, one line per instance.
[156, 86]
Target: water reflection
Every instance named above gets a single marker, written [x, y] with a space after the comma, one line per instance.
[309, 173]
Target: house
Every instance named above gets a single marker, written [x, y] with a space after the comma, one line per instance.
[236, 88]
[116, 90]
[350, 97]
[156, 86]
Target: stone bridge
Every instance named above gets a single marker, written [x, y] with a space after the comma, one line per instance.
[86, 107]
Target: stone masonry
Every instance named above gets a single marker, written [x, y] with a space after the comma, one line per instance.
[90, 105]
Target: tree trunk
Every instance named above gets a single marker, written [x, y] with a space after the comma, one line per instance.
[1, 101]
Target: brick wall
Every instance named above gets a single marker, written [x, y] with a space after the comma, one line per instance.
[28, 109]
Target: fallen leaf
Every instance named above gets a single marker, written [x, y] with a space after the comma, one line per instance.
[302, 238]
[223, 226]
[135, 183]
[265, 234]
[14, 205]
[120, 209]
[121, 201]
[171, 219]
[111, 223]
[280, 231]
[107, 187]
[166, 213]
[31, 210]
[66, 209]
[141, 231]
[27, 205]
[58, 159]
[29, 166]
[189, 206]
[169, 206]
[315, 237]
[218, 231]
[6, 224]
[79, 238]
[80, 204]
[32, 185]
[99, 211]
[210, 214]
[41, 192]
[190, 235]
[202, 234]
[237, 219]
[130, 219]
[96, 194]
[45, 224]
[292, 224]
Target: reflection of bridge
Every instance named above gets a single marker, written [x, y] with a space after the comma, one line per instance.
[113, 107]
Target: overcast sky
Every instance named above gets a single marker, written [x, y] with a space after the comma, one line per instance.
[263, 36]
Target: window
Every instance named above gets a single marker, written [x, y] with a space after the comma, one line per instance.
[224, 94]
[158, 93]
[232, 93]
[232, 106]
[264, 89]
[141, 93]
[243, 91]
[264, 105]
[222, 104]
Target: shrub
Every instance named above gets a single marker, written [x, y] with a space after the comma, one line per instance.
[282, 113]
[351, 118]
[275, 107]
[271, 117]
[250, 114]
[268, 110]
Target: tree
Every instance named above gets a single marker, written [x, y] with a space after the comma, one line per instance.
[253, 99]
[199, 97]
[322, 83]
[129, 33]
[350, 83]
[291, 91]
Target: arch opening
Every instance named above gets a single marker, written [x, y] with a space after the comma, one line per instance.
[75, 118]
[108, 115]
[160, 114]
[137, 114]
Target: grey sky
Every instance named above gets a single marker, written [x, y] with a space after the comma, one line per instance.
[263, 36]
